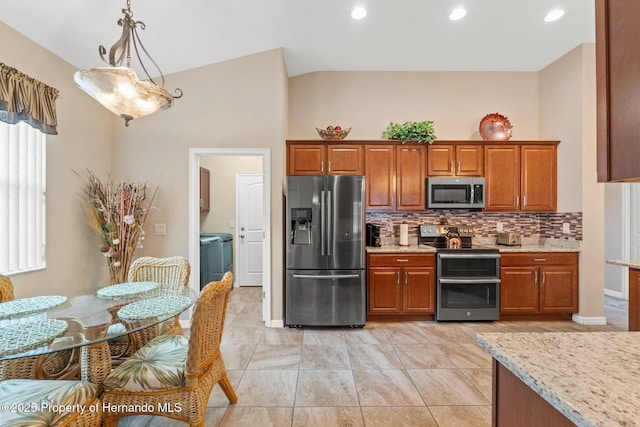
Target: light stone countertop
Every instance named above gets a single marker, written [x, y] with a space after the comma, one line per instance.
[593, 378]
[530, 248]
[631, 263]
[400, 249]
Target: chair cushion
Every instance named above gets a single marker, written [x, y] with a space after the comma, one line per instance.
[31, 402]
[159, 365]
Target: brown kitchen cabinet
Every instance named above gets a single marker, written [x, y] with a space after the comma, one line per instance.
[521, 177]
[325, 159]
[455, 160]
[401, 285]
[395, 177]
[617, 82]
[539, 283]
[205, 192]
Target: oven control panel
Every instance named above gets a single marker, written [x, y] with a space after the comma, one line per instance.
[431, 230]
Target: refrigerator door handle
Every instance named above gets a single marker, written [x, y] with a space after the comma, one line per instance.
[323, 232]
[325, 277]
[329, 233]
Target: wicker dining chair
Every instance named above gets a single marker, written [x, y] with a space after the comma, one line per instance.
[173, 371]
[64, 364]
[165, 271]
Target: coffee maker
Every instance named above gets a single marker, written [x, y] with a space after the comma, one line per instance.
[373, 235]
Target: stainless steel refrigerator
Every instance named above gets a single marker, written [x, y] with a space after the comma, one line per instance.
[325, 259]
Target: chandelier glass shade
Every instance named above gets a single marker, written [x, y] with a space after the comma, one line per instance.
[117, 87]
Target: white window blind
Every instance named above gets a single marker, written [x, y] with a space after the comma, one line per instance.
[22, 198]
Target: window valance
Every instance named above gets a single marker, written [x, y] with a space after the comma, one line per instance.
[26, 99]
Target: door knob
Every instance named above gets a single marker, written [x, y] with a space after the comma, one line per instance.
[242, 236]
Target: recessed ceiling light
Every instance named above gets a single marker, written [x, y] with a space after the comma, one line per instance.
[553, 15]
[457, 14]
[358, 12]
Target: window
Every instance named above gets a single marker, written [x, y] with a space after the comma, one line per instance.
[22, 198]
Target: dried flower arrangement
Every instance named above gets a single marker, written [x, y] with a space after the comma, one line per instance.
[117, 211]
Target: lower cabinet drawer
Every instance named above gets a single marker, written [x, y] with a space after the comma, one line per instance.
[402, 260]
[539, 258]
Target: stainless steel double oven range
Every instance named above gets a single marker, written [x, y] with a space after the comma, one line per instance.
[468, 277]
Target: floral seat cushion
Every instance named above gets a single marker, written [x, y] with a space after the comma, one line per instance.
[159, 365]
[38, 402]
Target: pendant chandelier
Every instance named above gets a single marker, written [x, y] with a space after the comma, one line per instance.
[117, 87]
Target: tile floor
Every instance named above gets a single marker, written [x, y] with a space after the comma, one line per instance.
[387, 374]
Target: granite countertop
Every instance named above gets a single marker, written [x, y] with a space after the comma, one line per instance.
[400, 249]
[501, 248]
[593, 378]
[631, 263]
[531, 248]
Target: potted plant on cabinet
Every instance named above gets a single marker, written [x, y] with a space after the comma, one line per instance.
[411, 131]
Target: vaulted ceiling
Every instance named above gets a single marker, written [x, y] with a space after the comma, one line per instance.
[315, 35]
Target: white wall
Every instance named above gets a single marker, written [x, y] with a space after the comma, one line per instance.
[223, 171]
[568, 109]
[614, 274]
[455, 101]
[83, 142]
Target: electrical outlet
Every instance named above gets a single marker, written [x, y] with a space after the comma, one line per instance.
[160, 229]
[565, 228]
[499, 227]
[232, 224]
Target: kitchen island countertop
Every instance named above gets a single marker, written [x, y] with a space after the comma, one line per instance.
[631, 263]
[592, 378]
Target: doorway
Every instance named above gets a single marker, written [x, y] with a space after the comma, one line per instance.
[198, 156]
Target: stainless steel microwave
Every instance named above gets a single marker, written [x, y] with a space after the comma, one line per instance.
[455, 193]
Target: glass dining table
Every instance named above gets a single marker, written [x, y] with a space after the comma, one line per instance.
[86, 319]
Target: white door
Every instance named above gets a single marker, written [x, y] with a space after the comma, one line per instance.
[249, 229]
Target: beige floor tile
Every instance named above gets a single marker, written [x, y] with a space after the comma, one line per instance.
[322, 356]
[467, 355]
[446, 387]
[423, 356]
[242, 335]
[373, 356]
[326, 388]
[398, 417]
[325, 417]
[267, 388]
[237, 356]
[462, 416]
[282, 336]
[249, 417]
[366, 336]
[442, 333]
[329, 336]
[481, 379]
[410, 333]
[386, 388]
[275, 357]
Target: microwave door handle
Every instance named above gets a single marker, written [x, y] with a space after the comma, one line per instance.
[473, 199]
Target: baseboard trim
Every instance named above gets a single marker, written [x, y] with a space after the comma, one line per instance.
[614, 294]
[276, 323]
[589, 321]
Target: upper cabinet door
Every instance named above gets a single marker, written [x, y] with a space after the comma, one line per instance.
[440, 160]
[306, 159]
[455, 160]
[380, 173]
[469, 160]
[345, 159]
[618, 80]
[410, 177]
[502, 173]
[538, 178]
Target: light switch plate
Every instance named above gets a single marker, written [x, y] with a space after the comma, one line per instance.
[160, 229]
[499, 227]
[565, 228]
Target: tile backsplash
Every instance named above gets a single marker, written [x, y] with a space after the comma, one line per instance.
[542, 224]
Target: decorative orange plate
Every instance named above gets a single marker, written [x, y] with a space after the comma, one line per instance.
[495, 127]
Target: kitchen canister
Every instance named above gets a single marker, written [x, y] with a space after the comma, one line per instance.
[404, 234]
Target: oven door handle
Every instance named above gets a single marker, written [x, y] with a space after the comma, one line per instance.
[469, 281]
[472, 254]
